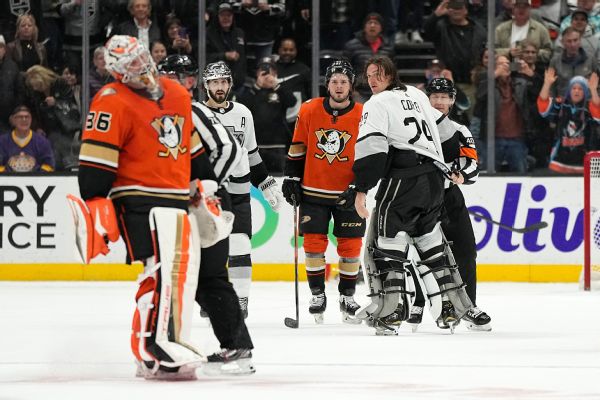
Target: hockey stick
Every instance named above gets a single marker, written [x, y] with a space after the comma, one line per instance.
[530, 228]
[290, 322]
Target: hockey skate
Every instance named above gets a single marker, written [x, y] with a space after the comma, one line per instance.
[383, 329]
[244, 306]
[447, 319]
[477, 320]
[229, 362]
[148, 371]
[416, 316]
[317, 306]
[348, 307]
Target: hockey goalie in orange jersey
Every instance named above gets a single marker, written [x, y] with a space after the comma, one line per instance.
[318, 170]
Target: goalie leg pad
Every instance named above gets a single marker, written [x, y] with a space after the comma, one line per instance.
[439, 274]
[95, 225]
[167, 293]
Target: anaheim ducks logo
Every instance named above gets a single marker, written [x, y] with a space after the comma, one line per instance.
[169, 134]
[332, 143]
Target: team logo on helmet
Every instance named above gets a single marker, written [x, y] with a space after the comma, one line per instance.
[216, 70]
[169, 129]
[340, 67]
[332, 143]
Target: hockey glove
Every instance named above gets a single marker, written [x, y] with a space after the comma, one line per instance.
[292, 191]
[345, 201]
[271, 193]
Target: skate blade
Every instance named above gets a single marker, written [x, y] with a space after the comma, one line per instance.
[479, 328]
[349, 319]
[319, 319]
[238, 367]
[381, 331]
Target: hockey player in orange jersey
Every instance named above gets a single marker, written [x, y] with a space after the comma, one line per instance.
[140, 150]
[318, 169]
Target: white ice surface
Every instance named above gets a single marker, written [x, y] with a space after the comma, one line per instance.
[71, 341]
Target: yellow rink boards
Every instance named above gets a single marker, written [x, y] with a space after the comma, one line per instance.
[268, 272]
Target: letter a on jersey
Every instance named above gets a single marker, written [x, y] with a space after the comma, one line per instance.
[169, 130]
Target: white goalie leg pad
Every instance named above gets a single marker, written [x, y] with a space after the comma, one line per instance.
[439, 274]
[395, 281]
[212, 222]
[179, 265]
[240, 263]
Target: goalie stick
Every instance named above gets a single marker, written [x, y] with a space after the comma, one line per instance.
[530, 228]
[290, 322]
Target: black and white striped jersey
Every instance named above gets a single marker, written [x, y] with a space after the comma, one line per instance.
[402, 119]
[238, 120]
[459, 149]
[224, 151]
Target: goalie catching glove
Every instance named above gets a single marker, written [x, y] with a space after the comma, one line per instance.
[95, 225]
[271, 193]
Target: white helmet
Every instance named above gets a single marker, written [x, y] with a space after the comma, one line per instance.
[130, 62]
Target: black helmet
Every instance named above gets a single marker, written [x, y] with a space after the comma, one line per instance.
[340, 67]
[440, 85]
[178, 64]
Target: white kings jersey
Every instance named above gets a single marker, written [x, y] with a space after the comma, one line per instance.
[237, 119]
[403, 119]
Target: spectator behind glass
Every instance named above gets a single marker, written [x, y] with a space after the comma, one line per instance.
[177, 38]
[158, 51]
[590, 40]
[536, 128]
[70, 74]
[367, 43]
[592, 8]
[410, 21]
[458, 41]
[11, 91]
[293, 75]
[576, 119]
[25, 50]
[140, 25]
[72, 13]
[509, 34]
[55, 109]
[225, 42]
[509, 99]
[261, 21]
[336, 22]
[571, 61]
[99, 76]
[23, 150]
[268, 102]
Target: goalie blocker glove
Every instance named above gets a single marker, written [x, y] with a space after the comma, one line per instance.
[292, 191]
[271, 193]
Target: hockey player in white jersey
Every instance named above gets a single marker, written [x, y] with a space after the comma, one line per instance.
[250, 170]
[460, 155]
[398, 143]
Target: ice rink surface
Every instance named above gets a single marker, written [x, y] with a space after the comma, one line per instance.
[64, 340]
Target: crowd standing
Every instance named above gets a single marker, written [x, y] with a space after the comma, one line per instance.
[40, 62]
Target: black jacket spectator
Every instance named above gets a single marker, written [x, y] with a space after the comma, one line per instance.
[11, 87]
[459, 47]
[293, 75]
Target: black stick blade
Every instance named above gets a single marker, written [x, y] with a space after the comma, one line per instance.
[534, 227]
[291, 323]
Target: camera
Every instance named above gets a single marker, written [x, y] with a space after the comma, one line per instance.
[515, 65]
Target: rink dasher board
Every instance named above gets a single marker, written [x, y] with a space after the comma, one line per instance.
[37, 236]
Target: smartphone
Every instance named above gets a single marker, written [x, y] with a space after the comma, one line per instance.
[265, 68]
[515, 66]
[183, 32]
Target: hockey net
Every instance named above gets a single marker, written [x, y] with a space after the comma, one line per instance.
[591, 212]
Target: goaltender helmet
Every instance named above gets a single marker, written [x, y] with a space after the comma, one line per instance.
[128, 61]
[340, 67]
[441, 85]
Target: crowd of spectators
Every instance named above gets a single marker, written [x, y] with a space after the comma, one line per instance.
[546, 57]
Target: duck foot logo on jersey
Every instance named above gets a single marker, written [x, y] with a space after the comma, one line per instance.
[332, 142]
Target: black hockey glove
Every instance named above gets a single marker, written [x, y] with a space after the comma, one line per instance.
[292, 191]
[345, 201]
